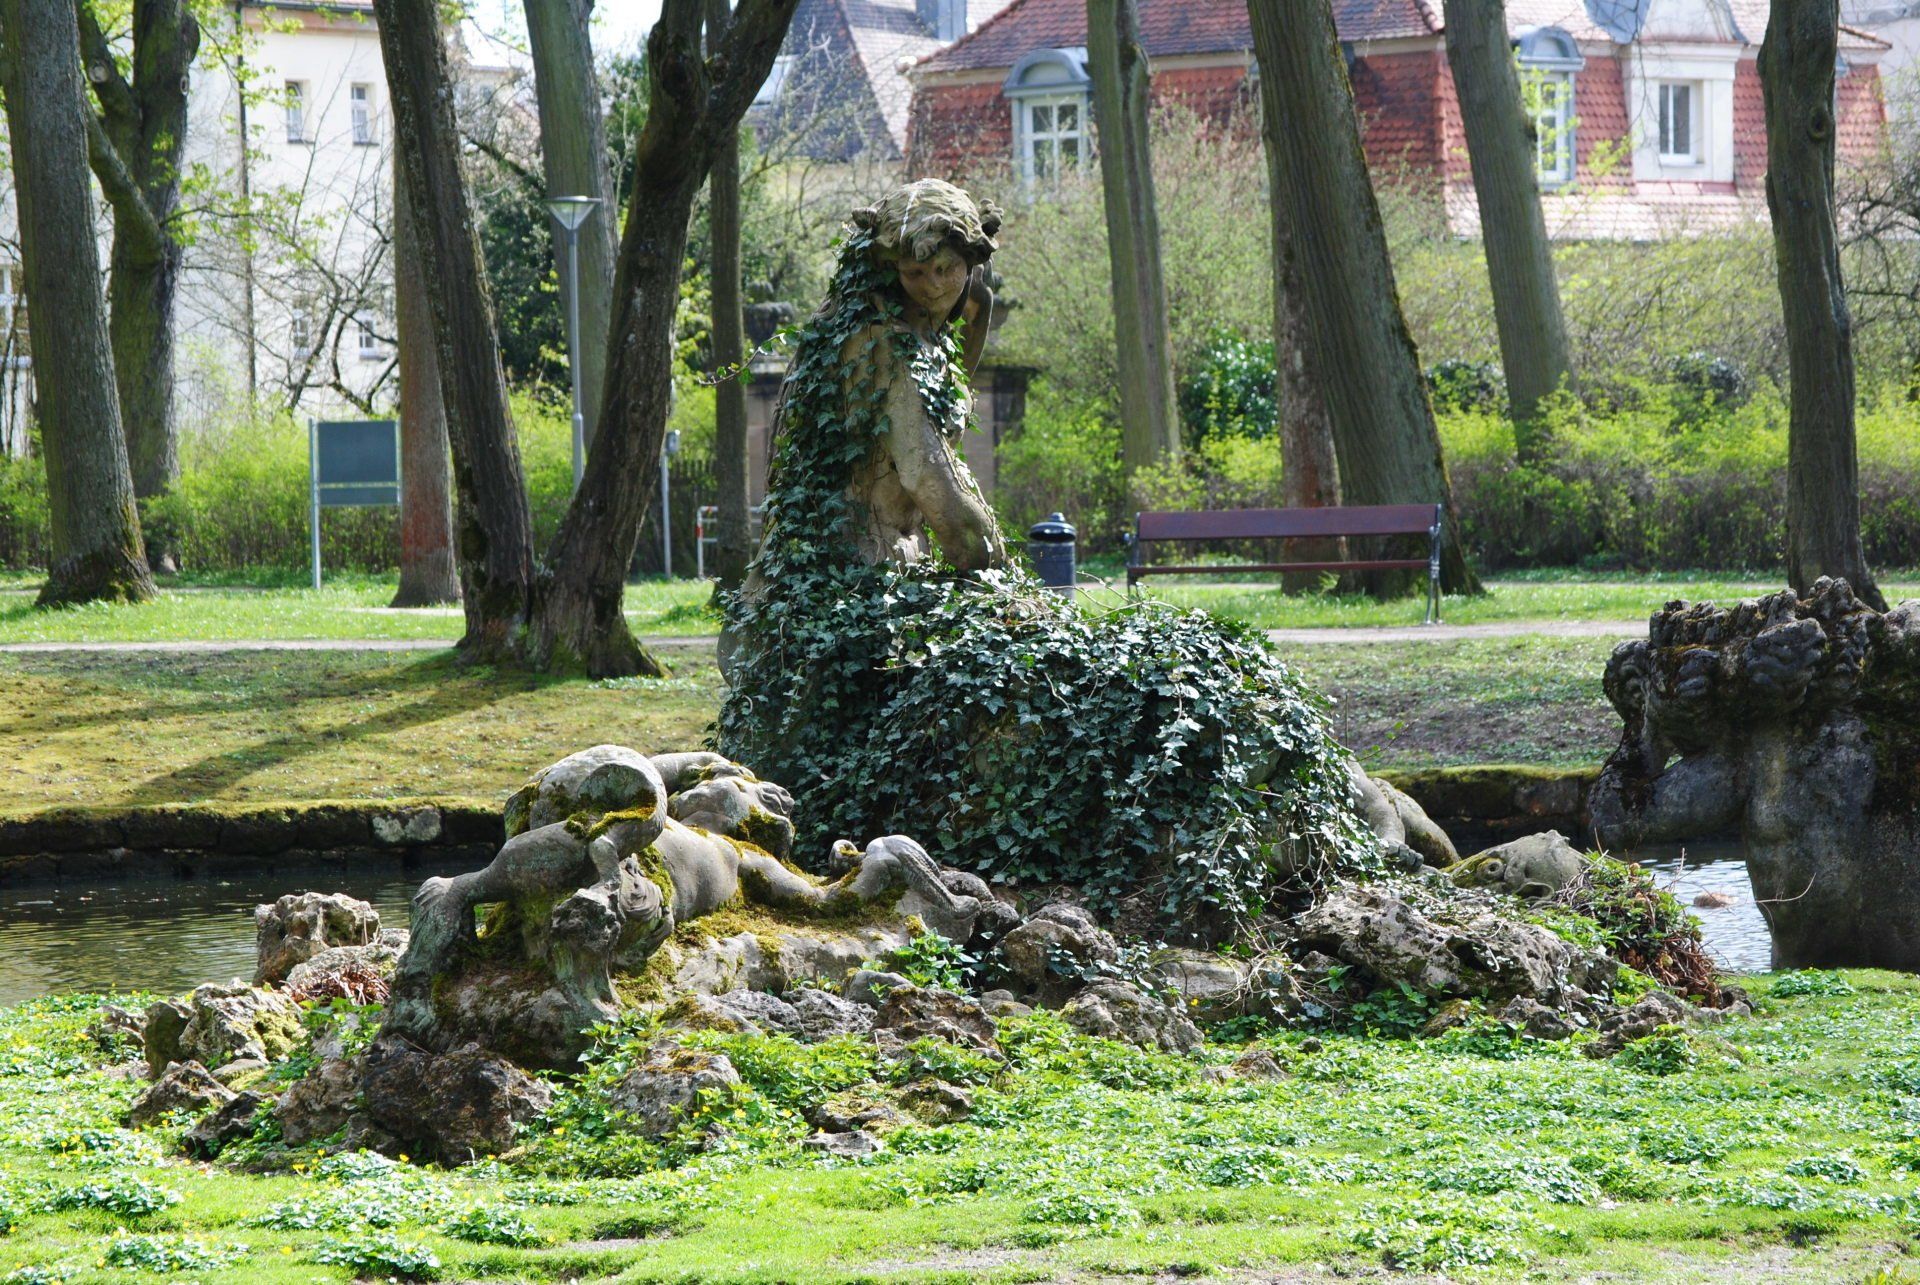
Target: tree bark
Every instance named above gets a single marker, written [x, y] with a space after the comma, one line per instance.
[494, 526]
[1311, 470]
[573, 145]
[1150, 424]
[1383, 429]
[1501, 149]
[692, 105]
[96, 547]
[1823, 475]
[135, 146]
[731, 538]
[428, 575]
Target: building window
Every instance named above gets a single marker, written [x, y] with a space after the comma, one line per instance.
[360, 98]
[1549, 61]
[1678, 130]
[370, 347]
[1052, 137]
[1551, 101]
[300, 333]
[1049, 92]
[296, 112]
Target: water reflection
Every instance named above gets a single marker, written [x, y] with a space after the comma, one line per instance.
[1736, 933]
[166, 936]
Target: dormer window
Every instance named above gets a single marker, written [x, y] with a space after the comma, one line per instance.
[1679, 130]
[1050, 92]
[1549, 60]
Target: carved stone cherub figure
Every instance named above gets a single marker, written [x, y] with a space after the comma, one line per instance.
[1795, 723]
[607, 852]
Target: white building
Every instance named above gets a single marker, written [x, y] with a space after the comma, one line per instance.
[285, 297]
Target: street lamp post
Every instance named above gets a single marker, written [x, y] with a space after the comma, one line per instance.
[571, 212]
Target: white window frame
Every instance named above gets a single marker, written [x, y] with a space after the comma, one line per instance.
[300, 333]
[360, 101]
[1666, 118]
[296, 92]
[1555, 158]
[371, 349]
[1033, 140]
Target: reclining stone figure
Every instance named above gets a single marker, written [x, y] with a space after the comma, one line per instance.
[1795, 723]
[607, 852]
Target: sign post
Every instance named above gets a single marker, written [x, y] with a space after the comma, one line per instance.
[352, 464]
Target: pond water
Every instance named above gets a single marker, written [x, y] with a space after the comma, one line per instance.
[1735, 934]
[173, 934]
[166, 935]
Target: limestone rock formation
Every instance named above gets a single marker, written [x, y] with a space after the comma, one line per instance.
[218, 1025]
[1117, 1011]
[1532, 866]
[452, 1106]
[301, 925]
[183, 1087]
[1794, 723]
[211, 1134]
[658, 1093]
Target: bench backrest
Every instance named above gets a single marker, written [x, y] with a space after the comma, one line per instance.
[1258, 524]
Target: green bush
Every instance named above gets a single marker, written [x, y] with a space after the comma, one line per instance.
[1064, 459]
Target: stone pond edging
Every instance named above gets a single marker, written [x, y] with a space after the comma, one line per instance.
[1489, 803]
[181, 839]
[1478, 806]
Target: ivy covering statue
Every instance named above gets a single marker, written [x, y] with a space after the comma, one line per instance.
[890, 666]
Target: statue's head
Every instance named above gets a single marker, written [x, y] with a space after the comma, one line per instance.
[935, 235]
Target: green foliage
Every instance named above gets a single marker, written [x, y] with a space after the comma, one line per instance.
[1180, 755]
[1809, 981]
[790, 1074]
[1396, 1012]
[1083, 1209]
[380, 1253]
[1229, 389]
[121, 1194]
[1617, 906]
[1442, 1233]
[932, 960]
[169, 1253]
[1065, 458]
[1664, 1052]
[491, 1225]
[928, 1058]
[1459, 385]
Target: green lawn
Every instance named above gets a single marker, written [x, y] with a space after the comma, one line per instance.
[1782, 1148]
[355, 607]
[119, 728]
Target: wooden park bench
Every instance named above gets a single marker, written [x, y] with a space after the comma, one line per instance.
[1291, 524]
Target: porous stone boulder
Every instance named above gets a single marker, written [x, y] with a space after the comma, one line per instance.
[807, 1015]
[1449, 945]
[1214, 988]
[212, 1133]
[183, 1088]
[1638, 1020]
[301, 925]
[937, 1101]
[657, 1094]
[869, 987]
[922, 1012]
[819, 1016]
[1116, 1011]
[782, 958]
[1534, 866]
[1051, 953]
[846, 1146]
[864, 1107]
[321, 1103]
[218, 1024]
[451, 1107]
[357, 973]
[1537, 1020]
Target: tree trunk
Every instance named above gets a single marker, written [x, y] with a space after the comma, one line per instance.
[692, 105]
[1501, 149]
[427, 572]
[1150, 425]
[96, 548]
[493, 523]
[1383, 429]
[1823, 475]
[731, 544]
[573, 143]
[1311, 477]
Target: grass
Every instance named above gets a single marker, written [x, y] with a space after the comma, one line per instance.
[272, 605]
[79, 728]
[1779, 1148]
[347, 607]
[119, 728]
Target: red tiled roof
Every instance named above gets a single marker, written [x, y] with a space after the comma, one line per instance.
[1220, 26]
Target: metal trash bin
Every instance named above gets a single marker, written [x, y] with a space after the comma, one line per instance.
[1051, 546]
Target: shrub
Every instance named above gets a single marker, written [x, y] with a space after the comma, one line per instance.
[1229, 389]
[381, 1254]
[1065, 459]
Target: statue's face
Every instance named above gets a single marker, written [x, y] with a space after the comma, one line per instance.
[934, 284]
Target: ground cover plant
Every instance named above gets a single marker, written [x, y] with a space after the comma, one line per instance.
[1784, 1147]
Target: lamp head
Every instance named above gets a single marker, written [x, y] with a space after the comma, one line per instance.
[572, 211]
